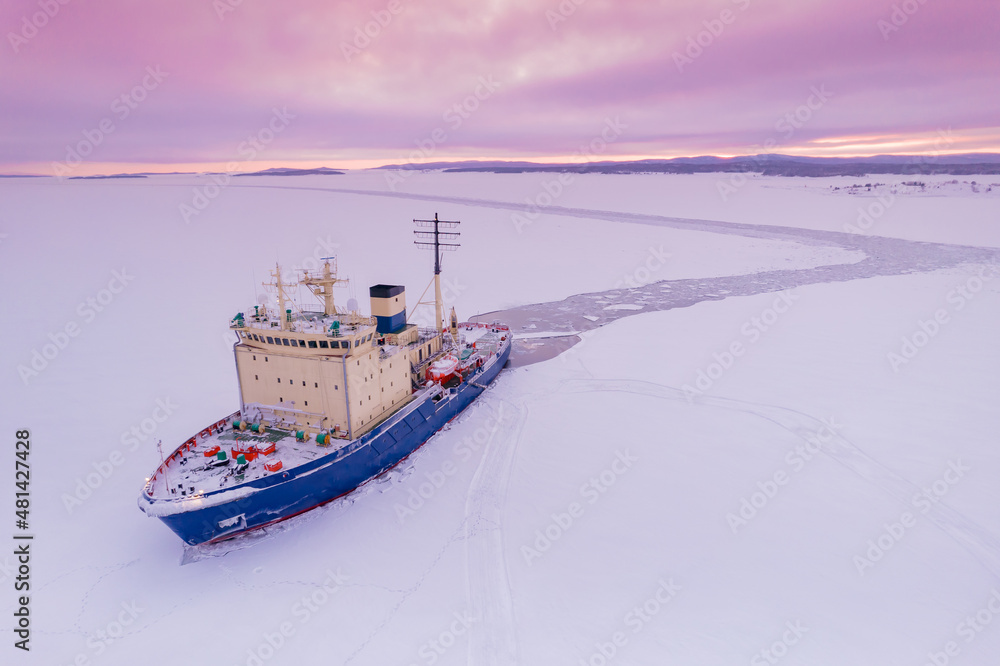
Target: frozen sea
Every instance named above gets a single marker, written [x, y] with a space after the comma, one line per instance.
[752, 424]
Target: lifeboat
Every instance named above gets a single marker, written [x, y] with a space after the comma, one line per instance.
[443, 369]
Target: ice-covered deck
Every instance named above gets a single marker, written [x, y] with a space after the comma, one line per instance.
[189, 472]
[486, 338]
[315, 323]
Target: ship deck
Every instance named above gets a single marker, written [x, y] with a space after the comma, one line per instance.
[192, 471]
[192, 474]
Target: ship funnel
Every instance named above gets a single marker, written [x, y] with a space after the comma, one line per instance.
[388, 307]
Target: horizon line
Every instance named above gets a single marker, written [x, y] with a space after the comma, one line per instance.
[168, 168]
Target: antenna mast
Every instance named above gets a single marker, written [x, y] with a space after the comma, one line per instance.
[432, 239]
[282, 297]
[322, 285]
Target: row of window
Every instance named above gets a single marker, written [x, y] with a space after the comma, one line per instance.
[312, 344]
[360, 402]
[336, 387]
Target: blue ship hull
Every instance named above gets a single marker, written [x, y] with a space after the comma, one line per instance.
[281, 496]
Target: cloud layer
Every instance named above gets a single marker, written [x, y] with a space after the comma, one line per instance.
[389, 80]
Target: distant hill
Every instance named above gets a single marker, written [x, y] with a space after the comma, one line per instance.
[283, 171]
[768, 165]
[471, 165]
[967, 164]
[117, 175]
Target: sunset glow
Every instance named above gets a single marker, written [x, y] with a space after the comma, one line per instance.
[200, 85]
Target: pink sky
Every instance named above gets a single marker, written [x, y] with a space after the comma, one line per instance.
[550, 80]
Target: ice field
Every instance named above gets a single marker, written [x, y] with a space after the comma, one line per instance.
[775, 441]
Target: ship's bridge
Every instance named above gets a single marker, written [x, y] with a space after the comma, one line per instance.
[340, 334]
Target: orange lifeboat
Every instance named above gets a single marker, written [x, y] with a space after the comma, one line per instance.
[443, 369]
[273, 467]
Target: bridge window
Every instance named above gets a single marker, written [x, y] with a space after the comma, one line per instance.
[270, 340]
[323, 344]
[312, 344]
[295, 343]
[284, 341]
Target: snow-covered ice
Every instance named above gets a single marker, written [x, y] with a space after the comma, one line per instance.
[790, 448]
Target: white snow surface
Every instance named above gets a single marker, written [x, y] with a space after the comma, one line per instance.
[584, 505]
